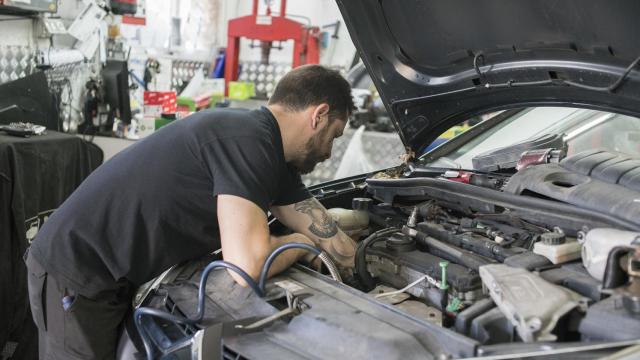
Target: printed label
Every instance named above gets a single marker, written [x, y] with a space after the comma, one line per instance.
[33, 225]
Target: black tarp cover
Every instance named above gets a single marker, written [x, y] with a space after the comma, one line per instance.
[36, 175]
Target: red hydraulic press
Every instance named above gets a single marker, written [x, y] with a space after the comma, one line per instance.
[267, 29]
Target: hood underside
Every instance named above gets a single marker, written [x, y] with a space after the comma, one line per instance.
[436, 63]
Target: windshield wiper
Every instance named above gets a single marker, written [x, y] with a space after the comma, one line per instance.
[415, 171]
[507, 157]
[412, 170]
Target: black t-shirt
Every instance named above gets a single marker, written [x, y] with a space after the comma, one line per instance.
[154, 204]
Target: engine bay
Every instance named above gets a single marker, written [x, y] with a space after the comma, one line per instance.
[449, 263]
[480, 255]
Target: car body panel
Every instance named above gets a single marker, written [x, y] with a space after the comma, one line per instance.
[420, 55]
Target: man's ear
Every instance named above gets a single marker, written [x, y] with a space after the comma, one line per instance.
[319, 114]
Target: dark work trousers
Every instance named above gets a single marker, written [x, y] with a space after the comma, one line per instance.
[88, 329]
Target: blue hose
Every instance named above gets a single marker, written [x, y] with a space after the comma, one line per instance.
[267, 264]
[146, 311]
[257, 288]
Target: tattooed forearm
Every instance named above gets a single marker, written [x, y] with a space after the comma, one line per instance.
[322, 225]
[328, 237]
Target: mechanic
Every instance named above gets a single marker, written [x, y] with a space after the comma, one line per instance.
[200, 184]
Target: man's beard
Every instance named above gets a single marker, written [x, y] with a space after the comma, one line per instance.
[310, 160]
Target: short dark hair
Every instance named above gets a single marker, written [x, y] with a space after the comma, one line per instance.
[310, 85]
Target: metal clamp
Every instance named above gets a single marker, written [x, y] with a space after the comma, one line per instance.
[295, 307]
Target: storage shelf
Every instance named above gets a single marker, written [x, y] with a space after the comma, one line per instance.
[16, 11]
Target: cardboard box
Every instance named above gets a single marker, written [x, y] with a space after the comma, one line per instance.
[146, 127]
[152, 111]
[167, 100]
[215, 86]
[150, 124]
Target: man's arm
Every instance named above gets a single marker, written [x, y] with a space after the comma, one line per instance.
[311, 218]
[245, 239]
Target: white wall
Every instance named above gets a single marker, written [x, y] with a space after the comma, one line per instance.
[198, 19]
[15, 31]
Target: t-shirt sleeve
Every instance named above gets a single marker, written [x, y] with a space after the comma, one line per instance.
[291, 189]
[243, 167]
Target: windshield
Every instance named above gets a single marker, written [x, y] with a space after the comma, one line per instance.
[582, 129]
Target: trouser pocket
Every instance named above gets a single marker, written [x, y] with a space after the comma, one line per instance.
[36, 284]
[91, 325]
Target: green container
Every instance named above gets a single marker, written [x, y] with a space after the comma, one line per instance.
[216, 99]
[160, 122]
[239, 90]
[186, 102]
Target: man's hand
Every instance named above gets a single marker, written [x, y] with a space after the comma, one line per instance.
[309, 259]
[310, 218]
[245, 239]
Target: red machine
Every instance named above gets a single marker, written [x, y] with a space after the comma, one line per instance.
[267, 29]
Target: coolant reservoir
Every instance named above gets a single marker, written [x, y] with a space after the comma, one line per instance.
[597, 245]
[557, 248]
[353, 222]
[350, 221]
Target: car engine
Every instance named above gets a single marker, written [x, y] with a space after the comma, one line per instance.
[550, 253]
[539, 255]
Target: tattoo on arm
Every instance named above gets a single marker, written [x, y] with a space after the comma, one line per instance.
[322, 225]
[335, 243]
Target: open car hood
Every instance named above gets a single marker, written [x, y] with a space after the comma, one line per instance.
[421, 54]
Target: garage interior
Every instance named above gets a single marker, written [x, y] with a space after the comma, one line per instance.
[82, 81]
[151, 63]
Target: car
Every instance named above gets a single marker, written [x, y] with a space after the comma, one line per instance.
[517, 238]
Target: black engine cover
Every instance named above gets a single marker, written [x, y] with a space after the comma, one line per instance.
[594, 180]
[459, 277]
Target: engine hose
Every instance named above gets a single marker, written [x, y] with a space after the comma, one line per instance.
[146, 311]
[333, 269]
[361, 256]
[449, 252]
[271, 258]
[473, 230]
[480, 246]
[614, 276]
